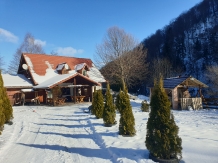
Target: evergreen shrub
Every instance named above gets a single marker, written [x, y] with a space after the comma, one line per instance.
[93, 102]
[162, 138]
[109, 112]
[145, 106]
[98, 104]
[6, 111]
[127, 120]
[7, 108]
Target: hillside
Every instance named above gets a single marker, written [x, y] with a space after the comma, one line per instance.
[189, 42]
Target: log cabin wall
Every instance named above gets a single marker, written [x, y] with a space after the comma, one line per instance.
[13, 94]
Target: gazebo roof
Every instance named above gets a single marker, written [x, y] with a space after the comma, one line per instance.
[183, 81]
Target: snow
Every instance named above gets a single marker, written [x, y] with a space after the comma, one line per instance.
[18, 80]
[60, 66]
[54, 80]
[79, 66]
[41, 78]
[94, 74]
[65, 134]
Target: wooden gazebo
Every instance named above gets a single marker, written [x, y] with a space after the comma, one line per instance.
[177, 89]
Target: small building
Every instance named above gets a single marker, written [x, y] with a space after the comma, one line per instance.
[40, 73]
[177, 89]
[15, 86]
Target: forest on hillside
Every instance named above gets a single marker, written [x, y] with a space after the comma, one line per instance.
[189, 43]
[187, 46]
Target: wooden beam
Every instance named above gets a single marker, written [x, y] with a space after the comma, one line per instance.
[74, 90]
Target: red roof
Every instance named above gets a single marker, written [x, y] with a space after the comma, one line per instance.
[40, 66]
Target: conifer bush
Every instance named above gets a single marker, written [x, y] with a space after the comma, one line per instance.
[162, 138]
[6, 108]
[118, 103]
[93, 102]
[98, 104]
[145, 106]
[109, 112]
[2, 117]
[127, 120]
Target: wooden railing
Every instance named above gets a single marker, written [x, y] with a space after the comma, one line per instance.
[56, 101]
[195, 103]
[78, 98]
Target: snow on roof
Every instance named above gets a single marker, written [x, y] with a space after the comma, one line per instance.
[60, 66]
[41, 78]
[95, 74]
[79, 66]
[175, 81]
[15, 81]
[54, 80]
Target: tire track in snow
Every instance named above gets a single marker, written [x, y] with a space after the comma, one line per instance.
[66, 152]
[100, 142]
[62, 153]
[82, 122]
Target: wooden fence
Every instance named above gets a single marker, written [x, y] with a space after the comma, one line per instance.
[195, 103]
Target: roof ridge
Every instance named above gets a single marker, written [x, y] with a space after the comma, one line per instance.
[177, 77]
[54, 55]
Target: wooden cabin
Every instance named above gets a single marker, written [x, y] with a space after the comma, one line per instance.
[76, 78]
[177, 89]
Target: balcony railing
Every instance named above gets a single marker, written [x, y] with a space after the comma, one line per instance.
[195, 103]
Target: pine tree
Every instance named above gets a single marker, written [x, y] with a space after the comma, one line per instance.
[119, 100]
[127, 120]
[2, 116]
[7, 108]
[98, 105]
[162, 138]
[93, 102]
[109, 112]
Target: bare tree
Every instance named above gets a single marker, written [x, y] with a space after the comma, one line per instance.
[2, 64]
[163, 67]
[212, 77]
[121, 58]
[28, 46]
[54, 53]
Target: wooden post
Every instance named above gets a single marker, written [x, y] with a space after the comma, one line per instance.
[200, 93]
[175, 98]
[74, 89]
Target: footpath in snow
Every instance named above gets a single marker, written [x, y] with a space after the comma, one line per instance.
[65, 134]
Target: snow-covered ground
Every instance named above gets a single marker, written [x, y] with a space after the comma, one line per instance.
[43, 134]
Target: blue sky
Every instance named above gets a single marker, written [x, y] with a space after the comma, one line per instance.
[75, 27]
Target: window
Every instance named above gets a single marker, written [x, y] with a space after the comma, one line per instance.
[49, 94]
[84, 72]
